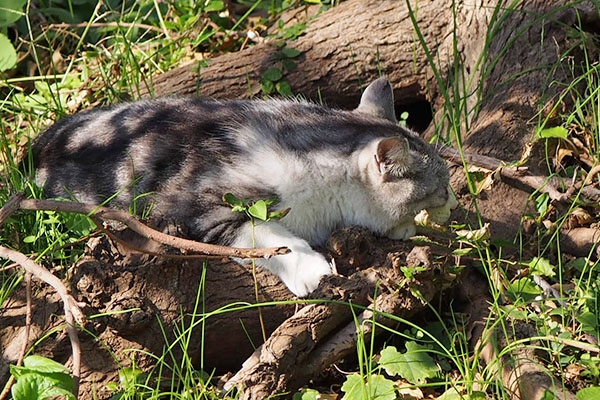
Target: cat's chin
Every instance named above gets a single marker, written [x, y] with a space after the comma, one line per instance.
[437, 215]
[440, 215]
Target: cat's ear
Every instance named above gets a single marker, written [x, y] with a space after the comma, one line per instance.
[393, 157]
[378, 99]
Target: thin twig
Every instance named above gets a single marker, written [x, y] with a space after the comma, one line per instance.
[17, 202]
[520, 174]
[111, 235]
[72, 307]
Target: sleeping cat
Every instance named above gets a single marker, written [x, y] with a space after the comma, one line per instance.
[332, 168]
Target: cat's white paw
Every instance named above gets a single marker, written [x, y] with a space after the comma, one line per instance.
[305, 274]
[403, 231]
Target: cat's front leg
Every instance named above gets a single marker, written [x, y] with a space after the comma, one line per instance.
[301, 270]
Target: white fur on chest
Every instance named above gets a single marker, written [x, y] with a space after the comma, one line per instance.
[324, 191]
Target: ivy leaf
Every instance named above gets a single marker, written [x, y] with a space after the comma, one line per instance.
[541, 203]
[284, 89]
[214, 5]
[267, 86]
[289, 65]
[541, 266]
[290, 52]
[378, 388]
[556, 132]
[259, 210]
[8, 55]
[231, 200]
[415, 365]
[273, 74]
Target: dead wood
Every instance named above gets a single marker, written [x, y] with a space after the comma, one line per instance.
[321, 334]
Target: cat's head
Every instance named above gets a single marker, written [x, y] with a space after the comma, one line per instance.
[403, 173]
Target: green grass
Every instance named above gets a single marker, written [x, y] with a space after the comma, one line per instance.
[110, 53]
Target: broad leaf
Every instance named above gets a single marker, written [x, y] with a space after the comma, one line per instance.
[541, 266]
[259, 210]
[290, 52]
[10, 11]
[273, 74]
[43, 364]
[8, 55]
[589, 393]
[230, 199]
[415, 365]
[307, 394]
[523, 288]
[378, 388]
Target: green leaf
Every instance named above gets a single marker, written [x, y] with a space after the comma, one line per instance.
[290, 52]
[555, 132]
[541, 266]
[548, 395]
[415, 365]
[378, 388]
[404, 115]
[259, 210]
[456, 393]
[523, 288]
[128, 377]
[231, 200]
[273, 74]
[29, 239]
[26, 387]
[589, 393]
[463, 252]
[267, 86]
[307, 394]
[215, 5]
[289, 65]
[8, 55]
[10, 12]
[284, 89]
[43, 364]
[589, 321]
[277, 215]
[541, 203]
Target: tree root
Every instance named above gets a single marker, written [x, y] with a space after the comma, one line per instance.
[321, 334]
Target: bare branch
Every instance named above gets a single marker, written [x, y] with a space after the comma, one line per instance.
[72, 307]
[520, 174]
[18, 202]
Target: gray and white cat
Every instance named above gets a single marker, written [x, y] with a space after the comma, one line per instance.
[332, 168]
